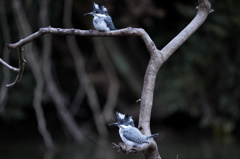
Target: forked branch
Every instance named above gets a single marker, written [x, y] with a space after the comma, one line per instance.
[20, 69]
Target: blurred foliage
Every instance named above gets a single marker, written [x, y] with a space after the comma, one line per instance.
[201, 78]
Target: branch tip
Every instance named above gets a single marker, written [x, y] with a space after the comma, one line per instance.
[138, 100]
[204, 4]
[211, 10]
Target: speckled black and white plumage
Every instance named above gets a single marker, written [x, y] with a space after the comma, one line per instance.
[133, 137]
[101, 21]
[124, 119]
[129, 134]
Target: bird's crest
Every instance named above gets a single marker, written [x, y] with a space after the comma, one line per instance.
[124, 119]
[99, 8]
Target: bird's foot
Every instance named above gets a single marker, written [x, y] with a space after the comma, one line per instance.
[122, 147]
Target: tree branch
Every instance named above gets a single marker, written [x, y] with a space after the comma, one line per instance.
[21, 67]
[8, 66]
[122, 147]
[203, 10]
[154, 65]
[89, 33]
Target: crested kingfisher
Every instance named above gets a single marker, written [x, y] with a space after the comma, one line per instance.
[101, 21]
[129, 134]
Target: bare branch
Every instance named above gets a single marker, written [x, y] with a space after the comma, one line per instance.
[89, 33]
[154, 65]
[138, 100]
[122, 147]
[203, 9]
[21, 67]
[156, 62]
[8, 66]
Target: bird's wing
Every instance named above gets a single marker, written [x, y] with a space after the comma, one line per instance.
[109, 23]
[134, 135]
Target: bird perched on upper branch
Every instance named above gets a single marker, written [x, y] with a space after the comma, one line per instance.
[129, 134]
[101, 21]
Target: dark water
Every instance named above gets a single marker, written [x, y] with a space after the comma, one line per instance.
[170, 144]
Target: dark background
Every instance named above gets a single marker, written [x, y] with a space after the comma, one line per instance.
[197, 91]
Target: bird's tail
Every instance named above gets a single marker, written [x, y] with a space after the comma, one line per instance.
[152, 136]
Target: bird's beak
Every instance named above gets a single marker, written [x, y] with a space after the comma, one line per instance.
[114, 124]
[91, 13]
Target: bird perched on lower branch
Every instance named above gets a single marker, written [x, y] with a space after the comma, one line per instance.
[129, 134]
[101, 21]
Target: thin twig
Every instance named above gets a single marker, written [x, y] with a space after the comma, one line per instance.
[8, 66]
[21, 67]
[138, 100]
